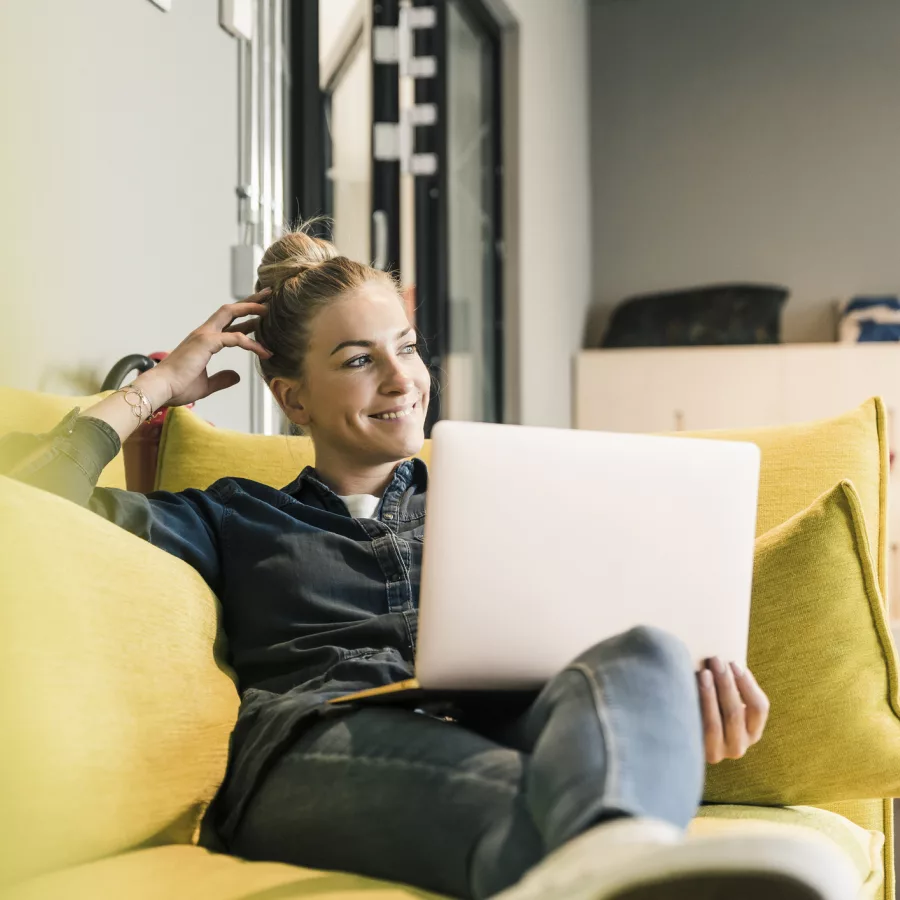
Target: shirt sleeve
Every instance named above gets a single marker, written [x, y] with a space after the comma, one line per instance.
[68, 460]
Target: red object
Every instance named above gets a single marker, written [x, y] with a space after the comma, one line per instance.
[141, 450]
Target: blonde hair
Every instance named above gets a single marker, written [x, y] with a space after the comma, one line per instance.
[305, 273]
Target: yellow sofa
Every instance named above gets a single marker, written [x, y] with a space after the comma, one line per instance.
[117, 700]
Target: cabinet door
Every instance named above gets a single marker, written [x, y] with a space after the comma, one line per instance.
[824, 380]
[678, 389]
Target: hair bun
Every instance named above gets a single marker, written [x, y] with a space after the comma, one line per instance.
[295, 254]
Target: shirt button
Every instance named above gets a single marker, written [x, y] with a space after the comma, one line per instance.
[388, 516]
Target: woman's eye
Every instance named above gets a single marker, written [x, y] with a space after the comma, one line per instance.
[360, 361]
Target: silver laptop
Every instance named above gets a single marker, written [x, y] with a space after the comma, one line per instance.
[540, 542]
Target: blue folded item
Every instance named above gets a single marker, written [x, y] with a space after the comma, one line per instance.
[869, 319]
[877, 331]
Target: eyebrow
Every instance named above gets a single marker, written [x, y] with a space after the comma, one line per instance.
[361, 343]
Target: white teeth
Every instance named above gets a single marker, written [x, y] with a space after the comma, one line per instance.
[396, 415]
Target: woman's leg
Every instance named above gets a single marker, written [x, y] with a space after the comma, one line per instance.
[617, 732]
[401, 796]
[394, 794]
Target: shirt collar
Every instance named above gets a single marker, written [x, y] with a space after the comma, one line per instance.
[409, 473]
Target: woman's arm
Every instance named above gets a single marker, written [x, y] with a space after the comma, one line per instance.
[68, 460]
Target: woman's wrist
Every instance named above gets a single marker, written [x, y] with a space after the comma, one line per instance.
[155, 388]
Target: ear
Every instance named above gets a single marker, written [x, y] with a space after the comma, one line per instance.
[288, 395]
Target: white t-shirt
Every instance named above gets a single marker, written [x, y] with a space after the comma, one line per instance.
[361, 506]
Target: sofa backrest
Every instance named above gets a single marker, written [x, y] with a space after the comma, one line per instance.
[192, 452]
[116, 713]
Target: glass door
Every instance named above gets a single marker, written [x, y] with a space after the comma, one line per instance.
[474, 340]
[458, 214]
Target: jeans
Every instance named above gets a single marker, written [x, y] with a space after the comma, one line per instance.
[465, 810]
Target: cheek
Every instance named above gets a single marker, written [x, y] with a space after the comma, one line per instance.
[339, 398]
[423, 377]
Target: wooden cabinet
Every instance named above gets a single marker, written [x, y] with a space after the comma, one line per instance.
[689, 389]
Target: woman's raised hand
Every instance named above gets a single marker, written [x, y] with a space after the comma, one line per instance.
[183, 371]
[734, 708]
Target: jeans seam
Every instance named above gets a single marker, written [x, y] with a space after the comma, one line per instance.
[74, 457]
[611, 773]
[407, 764]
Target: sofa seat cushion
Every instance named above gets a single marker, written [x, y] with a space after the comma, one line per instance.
[193, 873]
[863, 847]
[35, 413]
[116, 712]
[196, 874]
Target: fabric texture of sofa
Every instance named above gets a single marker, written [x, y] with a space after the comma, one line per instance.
[118, 701]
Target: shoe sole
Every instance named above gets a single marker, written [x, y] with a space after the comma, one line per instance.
[722, 887]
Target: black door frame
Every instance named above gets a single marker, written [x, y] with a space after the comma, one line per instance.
[305, 157]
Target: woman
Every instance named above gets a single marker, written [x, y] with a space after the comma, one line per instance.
[581, 794]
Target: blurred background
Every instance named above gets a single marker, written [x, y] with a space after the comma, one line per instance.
[624, 214]
[132, 132]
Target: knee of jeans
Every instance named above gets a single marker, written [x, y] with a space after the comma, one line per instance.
[659, 647]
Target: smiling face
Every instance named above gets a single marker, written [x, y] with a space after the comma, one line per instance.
[364, 389]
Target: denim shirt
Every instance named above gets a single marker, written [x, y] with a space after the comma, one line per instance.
[315, 602]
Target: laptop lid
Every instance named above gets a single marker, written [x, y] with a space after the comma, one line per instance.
[540, 542]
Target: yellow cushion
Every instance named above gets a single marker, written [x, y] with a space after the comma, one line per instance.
[820, 647]
[32, 412]
[862, 846]
[116, 716]
[801, 462]
[192, 873]
[193, 453]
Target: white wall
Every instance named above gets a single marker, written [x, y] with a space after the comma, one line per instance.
[554, 202]
[753, 139]
[119, 155]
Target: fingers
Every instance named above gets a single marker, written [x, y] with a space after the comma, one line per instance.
[713, 731]
[236, 339]
[244, 327]
[228, 312]
[755, 701]
[732, 707]
[221, 380]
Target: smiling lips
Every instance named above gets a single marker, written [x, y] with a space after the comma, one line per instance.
[391, 416]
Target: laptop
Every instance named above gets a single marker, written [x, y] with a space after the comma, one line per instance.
[540, 542]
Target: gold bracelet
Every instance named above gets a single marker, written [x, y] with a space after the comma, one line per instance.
[137, 407]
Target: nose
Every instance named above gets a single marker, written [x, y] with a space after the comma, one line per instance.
[396, 379]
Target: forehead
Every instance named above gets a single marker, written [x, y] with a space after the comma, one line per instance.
[373, 313]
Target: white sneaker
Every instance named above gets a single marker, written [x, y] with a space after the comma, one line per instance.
[646, 859]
